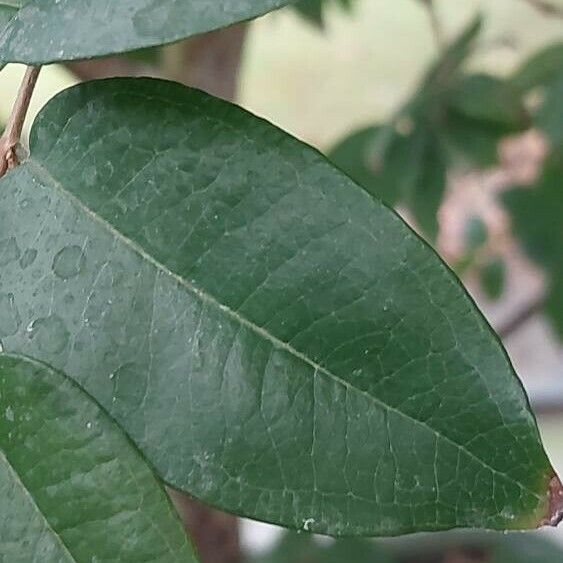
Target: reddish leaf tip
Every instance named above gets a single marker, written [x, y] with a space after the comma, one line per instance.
[555, 508]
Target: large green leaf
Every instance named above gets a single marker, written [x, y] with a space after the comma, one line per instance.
[54, 30]
[275, 340]
[72, 485]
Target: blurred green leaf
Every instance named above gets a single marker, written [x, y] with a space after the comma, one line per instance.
[407, 166]
[445, 72]
[472, 142]
[476, 233]
[305, 548]
[490, 99]
[537, 222]
[539, 69]
[493, 275]
[406, 160]
[544, 71]
[357, 155]
[526, 548]
[424, 191]
[549, 117]
[313, 10]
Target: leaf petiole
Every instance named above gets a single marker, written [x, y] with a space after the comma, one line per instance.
[12, 134]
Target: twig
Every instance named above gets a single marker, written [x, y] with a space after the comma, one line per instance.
[521, 318]
[214, 533]
[546, 7]
[12, 134]
[436, 25]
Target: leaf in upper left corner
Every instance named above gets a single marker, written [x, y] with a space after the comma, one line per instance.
[39, 31]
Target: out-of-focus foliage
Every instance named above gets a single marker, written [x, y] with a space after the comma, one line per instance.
[493, 273]
[454, 118]
[304, 548]
[496, 548]
[314, 10]
[537, 213]
[540, 79]
[536, 210]
[457, 119]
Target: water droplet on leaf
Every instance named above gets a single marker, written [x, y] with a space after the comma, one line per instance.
[69, 262]
[50, 334]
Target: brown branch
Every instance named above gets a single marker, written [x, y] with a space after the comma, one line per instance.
[521, 318]
[214, 533]
[110, 67]
[12, 134]
[436, 25]
[546, 7]
[210, 61]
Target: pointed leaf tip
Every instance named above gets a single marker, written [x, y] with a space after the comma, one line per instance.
[555, 508]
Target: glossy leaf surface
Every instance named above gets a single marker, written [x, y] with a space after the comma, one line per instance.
[275, 340]
[55, 30]
[72, 485]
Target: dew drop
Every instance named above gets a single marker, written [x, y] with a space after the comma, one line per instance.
[69, 262]
[307, 523]
[50, 334]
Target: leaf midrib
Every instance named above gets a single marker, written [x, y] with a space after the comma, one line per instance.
[28, 495]
[275, 341]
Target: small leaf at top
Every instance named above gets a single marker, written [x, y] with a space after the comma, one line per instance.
[72, 485]
[275, 340]
[43, 31]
